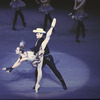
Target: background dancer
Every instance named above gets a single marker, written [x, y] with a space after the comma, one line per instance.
[17, 5]
[47, 9]
[79, 15]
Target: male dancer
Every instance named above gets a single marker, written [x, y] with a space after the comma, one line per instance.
[48, 59]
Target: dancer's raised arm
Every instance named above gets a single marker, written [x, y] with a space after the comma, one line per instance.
[44, 43]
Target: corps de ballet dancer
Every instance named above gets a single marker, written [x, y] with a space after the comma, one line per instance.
[17, 5]
[47, 9]
[79, 14]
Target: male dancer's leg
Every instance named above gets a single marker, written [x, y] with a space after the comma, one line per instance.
[50, 62]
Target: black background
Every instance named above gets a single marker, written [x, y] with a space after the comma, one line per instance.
[92, 5]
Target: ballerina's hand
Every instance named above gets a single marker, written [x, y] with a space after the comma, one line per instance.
[53, 22]
[7, 72]
[3, 68]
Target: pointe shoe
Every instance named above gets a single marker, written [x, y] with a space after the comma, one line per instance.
[53, 22]
[37, 87]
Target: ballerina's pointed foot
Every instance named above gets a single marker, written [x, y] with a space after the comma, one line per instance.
[37, 87]
[53, 22]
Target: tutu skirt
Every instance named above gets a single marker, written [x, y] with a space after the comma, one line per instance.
[17, 4]
[46, 9]
[81, 16]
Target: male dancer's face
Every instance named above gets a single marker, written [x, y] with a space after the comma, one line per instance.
[39, 35]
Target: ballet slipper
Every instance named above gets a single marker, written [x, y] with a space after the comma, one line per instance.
[37, 86]
[53, 22]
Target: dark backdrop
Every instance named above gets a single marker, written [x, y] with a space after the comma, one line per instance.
[61, 4]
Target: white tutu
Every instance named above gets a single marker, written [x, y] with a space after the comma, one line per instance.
[31, 56]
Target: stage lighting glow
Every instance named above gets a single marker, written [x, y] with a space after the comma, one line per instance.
[74, 71]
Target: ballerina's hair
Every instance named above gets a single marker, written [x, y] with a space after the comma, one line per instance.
[21, 45]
